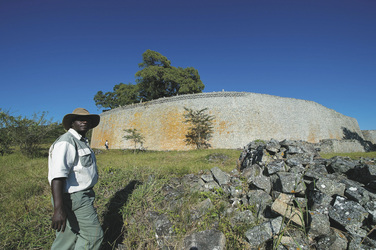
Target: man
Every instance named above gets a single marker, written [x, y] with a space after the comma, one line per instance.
[72, 173]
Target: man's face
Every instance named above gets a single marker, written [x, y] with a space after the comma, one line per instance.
[81, 125]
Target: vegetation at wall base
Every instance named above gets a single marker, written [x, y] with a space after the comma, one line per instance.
[200, 128]
[135, 137]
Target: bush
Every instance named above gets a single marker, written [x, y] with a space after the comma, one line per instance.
[27, 134]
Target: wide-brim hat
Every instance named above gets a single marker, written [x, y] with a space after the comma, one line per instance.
[68, 118]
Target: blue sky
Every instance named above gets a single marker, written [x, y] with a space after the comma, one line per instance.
[56, 55]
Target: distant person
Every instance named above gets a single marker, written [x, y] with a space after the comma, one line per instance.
[72, 173]
[106, 144]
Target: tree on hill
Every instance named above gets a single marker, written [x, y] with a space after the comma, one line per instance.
[201, 127]
[156, 79]
[123, 94]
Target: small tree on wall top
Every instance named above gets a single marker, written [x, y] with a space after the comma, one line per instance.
[201, 127]
[134, 136]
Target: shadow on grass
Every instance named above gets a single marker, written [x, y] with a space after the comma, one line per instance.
[113, 220]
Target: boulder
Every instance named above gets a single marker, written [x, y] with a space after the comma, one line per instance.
[205, 240]
[219, 176]
[349, 214]
[260, 234]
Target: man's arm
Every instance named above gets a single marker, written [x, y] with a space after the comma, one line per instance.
[59, 217]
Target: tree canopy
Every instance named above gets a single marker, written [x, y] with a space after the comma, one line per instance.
[156, 79]
[123, 94]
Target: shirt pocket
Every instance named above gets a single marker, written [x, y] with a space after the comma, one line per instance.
[85, 157]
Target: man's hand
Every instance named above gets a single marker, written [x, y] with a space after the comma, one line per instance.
[59, 219]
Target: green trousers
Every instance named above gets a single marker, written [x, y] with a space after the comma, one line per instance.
[83, 230]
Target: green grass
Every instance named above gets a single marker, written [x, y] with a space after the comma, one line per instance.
[149, 171]
[25, 203]
[129, 186]
[354, 156]
[25, 200]
[176, 162]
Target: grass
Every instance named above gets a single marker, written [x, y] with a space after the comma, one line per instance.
[25, 203]
[136, 180]
[354, 156]
[25, 199]
[130, 185]
[176, 162]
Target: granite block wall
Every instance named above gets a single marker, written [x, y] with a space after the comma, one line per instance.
[240, 117]
[369, 135]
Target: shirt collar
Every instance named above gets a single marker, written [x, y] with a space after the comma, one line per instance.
[76, 134]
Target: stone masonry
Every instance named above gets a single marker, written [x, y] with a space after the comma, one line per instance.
[369, 135]
[240, 117]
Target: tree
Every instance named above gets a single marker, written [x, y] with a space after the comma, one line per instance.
[190, 81]
[55, 131]
[156, 79]
[27, 134]
[6, 122]
[134, 136]
[201, 127]
[123, 94]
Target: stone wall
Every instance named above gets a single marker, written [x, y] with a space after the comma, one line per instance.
[240, 117]
[369, 135]
[342, 146]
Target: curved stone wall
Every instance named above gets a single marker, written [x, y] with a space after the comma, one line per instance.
[240, 117]
[369, 135]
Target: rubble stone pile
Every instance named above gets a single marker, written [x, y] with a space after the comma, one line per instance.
[299, 200]
[334, 200]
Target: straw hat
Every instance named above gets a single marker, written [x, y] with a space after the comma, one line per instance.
[67, 120]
